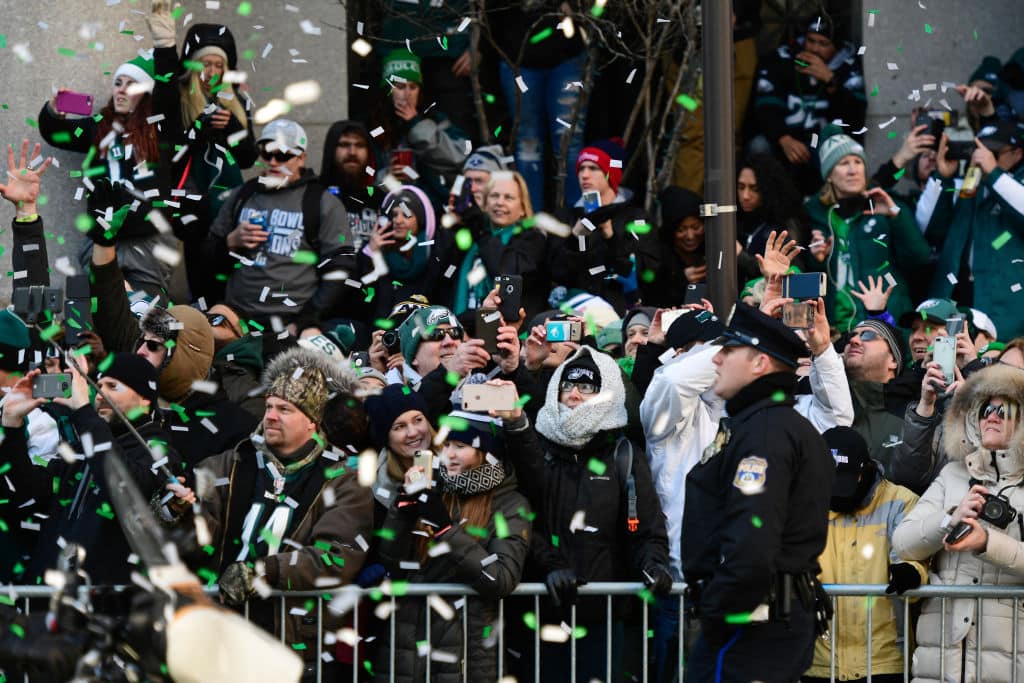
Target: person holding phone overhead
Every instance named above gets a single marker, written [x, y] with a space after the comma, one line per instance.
[422, 145]
[967, 523]
[466, 524]
[858, 231]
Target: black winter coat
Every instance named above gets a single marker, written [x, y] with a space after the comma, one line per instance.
[491, 566]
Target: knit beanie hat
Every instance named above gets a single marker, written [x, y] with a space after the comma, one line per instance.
[609, 156]
[677, 203]
[834, 146]
[988, 70]
[205, 39]
[403, 64]
[307, 379]
[384, 408]
[488, 158]
[583, 370]
[14, 343]
[415, 200]
[139, 70]
[420, 323]
[135, 372]
[892, 337]
[190, 357]
[476, 430]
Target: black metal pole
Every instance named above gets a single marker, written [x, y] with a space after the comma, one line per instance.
[719, 154]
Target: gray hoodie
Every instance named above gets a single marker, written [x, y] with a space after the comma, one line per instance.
[271, 281]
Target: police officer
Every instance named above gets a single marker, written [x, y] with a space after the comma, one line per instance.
[756, 514]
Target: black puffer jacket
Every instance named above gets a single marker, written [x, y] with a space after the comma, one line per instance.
[468, 561]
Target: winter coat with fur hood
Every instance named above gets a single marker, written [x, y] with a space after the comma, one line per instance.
[920, 537]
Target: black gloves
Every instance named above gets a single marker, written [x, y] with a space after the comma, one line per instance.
[902, 578]
[433, 510]
[562, 585]
[658, 579]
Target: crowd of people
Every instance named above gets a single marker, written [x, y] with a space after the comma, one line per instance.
[412, 367]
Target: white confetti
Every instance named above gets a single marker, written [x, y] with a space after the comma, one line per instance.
[1015, 287]
[441, 606]
[521, 83]
[361, 47]
[464, 24]
[890, 279]
[629, 78]
[379, 130]
[308, 28]
[892, 66]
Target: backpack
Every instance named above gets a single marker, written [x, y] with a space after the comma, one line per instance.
[310, 209]
[624, 466]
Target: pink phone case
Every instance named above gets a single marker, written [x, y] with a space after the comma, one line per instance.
[70, 102]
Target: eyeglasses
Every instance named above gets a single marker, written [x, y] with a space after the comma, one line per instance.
[438, 334]
[279, 157]
[150, 344]
[990, 408]
[216, 320]
[585, 389]
[866, 335]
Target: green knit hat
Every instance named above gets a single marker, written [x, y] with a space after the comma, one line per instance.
[140, 70]
[835, 145]
[403, 64]
[14, 342]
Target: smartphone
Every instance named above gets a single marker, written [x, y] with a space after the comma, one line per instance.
[480, 398]
[77, 309]
[51, 386]
[936, 125]
[958, 533]
[31, 303]
[71, 102]
[798, 315]
[424, 459]
[695, 293]
[960, 150]
[669, 317]
[591, 201]
[804, 285]
[487, 322]
[944, 353]
[563, 331]
[954, 326]
[510, 289]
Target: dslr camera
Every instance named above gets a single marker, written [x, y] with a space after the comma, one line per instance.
[997, 510]
[391, 341]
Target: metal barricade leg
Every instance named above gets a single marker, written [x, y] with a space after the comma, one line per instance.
[942, 639]
[608, 638]
[977, 640]
[572, 645]
[283, 616]
[870, 602]
[536, 638]
[683, 617]
[391, 645]
[1013, 634]
[358, 638]
[501, 638]
[319, 640]
[427, 615]
[465, 637]
[908, 630]
[645, 639]
[832, 641]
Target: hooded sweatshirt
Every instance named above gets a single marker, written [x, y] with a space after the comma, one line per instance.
[272, 281]
[360, 199]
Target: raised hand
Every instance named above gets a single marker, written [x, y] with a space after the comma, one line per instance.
[778, 254]
[22, 188]
[875, 296]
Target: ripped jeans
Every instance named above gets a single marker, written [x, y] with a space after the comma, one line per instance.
[545, 101]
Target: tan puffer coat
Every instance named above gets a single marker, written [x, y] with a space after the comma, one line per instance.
[920, 537]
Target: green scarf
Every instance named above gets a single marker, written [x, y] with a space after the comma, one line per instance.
[845, 307]
[403, 269]
[463, 290]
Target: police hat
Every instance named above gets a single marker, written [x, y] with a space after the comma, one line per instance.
[750, 327]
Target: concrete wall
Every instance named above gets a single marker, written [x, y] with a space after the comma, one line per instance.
[961, 34]
[43, 27]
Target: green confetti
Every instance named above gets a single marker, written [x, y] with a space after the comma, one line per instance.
[464, 239]
[874, 91]
[522, 400]
[779, 396]
[31, 122]
[17, 630]
[597, 467]
[477, 531]
[298, 646]
[927, 28]
[497, 131]
[385, 533]
[530, 619]
[452, 378]
[1000, 242]
[756, 521]
[244, 9]
[597, 10]
[3, 40]
[800, 63]
[500, 525]
[370, 292]
[543, 35]
[383, 323]
[882, 267]
[891, 135]
[455, 424]
[638, 227]
[735, 619]
[489, 98]
[66, 51]
[579, 632]
[104, 510]
[177, 11]
[307, 257]
[899, 174]
[554, 541]
[444, 42]
[688, 103]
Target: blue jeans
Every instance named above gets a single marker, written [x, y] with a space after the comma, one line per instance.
[545, 101]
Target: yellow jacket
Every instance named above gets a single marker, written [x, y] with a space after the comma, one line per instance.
[859, 551]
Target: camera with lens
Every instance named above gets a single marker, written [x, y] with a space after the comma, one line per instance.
[997, 510]
[391, 341]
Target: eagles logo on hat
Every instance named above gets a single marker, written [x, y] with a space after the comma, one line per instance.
[576, 374]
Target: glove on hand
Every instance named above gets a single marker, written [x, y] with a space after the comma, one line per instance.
[903, 577]
[562, 585]
[161, 24]
[236, 584]
[658, 579]
[433, 510]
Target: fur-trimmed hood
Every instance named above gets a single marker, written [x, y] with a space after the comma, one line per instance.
[192, 354]
[961, 438]
[607, 410]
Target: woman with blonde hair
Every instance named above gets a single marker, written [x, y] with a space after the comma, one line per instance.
[504, 243]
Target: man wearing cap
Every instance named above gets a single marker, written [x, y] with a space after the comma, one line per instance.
[756, 513]
[273, 523]
[926, 322]
[795, 95]
[864, 505]
[267, 227]
[981, 235]
[478, 168]
[73, 490]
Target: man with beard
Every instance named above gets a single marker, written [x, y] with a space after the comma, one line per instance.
[348, 152]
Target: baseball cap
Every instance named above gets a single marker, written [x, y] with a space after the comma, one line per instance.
[1002, 134]
[933, 310]
[284, 135]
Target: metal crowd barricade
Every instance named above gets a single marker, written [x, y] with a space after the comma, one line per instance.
[29, 598]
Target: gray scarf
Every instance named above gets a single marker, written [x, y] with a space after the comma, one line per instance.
[575, 427]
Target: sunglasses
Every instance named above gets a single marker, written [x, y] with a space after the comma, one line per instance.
[991, 408]
[585, 389]
[867, 335]
[439, 334]
[150, 344]
[279, 157]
